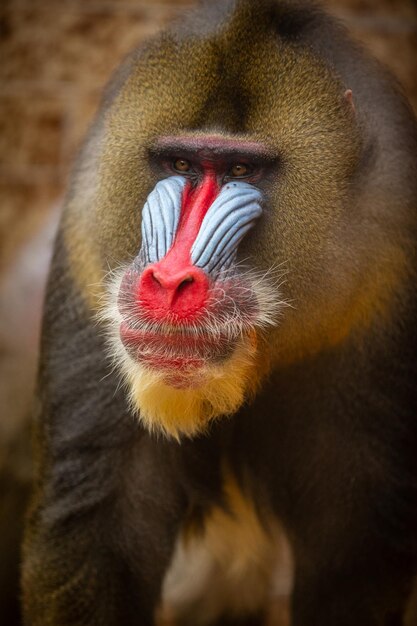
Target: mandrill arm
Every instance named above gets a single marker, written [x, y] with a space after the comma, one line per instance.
[79, 547]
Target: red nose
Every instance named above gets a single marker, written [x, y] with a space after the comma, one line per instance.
[164, 292]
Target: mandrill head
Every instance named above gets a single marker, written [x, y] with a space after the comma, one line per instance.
[223, 155]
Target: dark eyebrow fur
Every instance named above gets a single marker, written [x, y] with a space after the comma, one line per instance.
[212, 145]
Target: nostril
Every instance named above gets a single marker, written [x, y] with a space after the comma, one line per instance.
[185, 282]
[171, 283]
[157, 278]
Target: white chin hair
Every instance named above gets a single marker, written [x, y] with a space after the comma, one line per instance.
[182, 405]
[186, 410]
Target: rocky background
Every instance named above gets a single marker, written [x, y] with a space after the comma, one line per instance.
[56, 56]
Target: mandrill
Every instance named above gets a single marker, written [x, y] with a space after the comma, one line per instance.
[241, 386]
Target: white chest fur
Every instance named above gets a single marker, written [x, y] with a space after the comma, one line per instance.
[235, 566]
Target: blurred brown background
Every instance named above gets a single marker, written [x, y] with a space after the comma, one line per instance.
[55, 57]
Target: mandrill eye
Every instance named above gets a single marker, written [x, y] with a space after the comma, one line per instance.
[182, 165]
[240, 170]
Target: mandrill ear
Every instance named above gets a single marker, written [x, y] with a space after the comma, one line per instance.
[348, 95]
[160, 218]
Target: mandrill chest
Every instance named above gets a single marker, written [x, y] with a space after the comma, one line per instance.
[188, 318]
[235, 564]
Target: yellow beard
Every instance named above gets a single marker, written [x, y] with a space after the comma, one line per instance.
[219, 390]
[208, 393]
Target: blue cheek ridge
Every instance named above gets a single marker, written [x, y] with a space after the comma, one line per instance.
[160, 217]
[228, 220]
[230, 217]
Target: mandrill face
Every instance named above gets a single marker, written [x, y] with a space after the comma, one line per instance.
[188, 316]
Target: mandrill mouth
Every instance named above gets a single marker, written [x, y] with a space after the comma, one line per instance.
[171, 345]
[181, 351]
[184, 349]
[186, 353]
